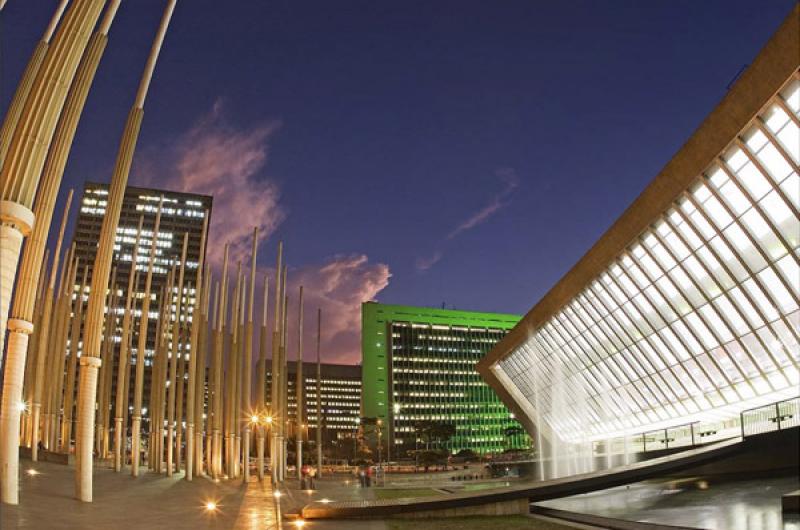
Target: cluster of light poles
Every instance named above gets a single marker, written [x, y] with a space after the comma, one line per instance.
[42, 377]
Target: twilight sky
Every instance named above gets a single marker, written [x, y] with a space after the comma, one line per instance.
[449, 151]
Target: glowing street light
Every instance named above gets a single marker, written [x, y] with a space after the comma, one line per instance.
[211, 506]
[299, 523]
[32, 472]
[277, 494]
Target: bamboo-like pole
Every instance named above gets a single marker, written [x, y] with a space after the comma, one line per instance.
[52, 340]
[217, 369]
[106, 358]
[231, 401]
[136, 419]
[194, 352]
[26, 82]
[213, 389]
[30, 141]
[124, 394]
[239, 413]
[121, 402]
[88, 382]
[62, 351]
[181, 381]
[43, 342]
[52, 173]
[262, 378]
[200, 384]
[57, 347]
[300, 408]
[75, 336]
[284, 389]
[30, 360]
[319, 394]
[173, 358]
[275, 383]
[162, 359]
[247, 403]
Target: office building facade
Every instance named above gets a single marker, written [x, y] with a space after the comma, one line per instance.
[340, 403]
[419, 366]
[181, 213]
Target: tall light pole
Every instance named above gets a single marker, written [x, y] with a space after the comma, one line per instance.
[319, 394]
[379, 423]
[393, 440]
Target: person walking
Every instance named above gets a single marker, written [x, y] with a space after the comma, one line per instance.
[312, 474]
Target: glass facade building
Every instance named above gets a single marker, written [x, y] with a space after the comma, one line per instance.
[687, 309]
[182, 213]
[419, 366]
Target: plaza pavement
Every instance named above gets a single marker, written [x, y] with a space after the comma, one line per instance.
[121, 502]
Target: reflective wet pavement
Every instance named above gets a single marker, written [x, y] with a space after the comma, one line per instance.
[697, 503]
[122, 502]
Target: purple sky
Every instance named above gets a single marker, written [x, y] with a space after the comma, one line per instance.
[421, 153]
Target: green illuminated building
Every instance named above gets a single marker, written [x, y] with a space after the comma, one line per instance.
[418, 364]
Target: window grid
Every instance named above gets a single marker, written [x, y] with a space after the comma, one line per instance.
[699, 315]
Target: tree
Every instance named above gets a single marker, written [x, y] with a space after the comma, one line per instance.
[434, 431]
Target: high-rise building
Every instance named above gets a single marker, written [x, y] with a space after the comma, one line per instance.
[419, 366]
[686, 312]
[340, 399]
[181, 213]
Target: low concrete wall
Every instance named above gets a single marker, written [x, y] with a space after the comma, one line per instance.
[512, 507]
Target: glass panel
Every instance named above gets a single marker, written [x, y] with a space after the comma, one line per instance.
[791, 188]
[763, 234]
[779, 293]
[717, 213]
[789, 137]
[791, 95]
[791, 273]
[744, 247]
[734, 198]
[775, 118]
[773, 161]
[782, 217]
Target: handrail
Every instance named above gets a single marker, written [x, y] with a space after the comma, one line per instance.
[779, 419]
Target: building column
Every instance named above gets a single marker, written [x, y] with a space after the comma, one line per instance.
[16, 222]
[86, 405]
[10, 412]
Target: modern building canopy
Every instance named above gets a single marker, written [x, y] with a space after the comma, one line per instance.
[686, 309]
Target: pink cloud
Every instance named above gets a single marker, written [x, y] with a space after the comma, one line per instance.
[338, 287]
[216, 158]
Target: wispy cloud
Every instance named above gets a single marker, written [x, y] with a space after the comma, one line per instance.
[426, 262]
[217, 158]
[508, 176]
[510, 182]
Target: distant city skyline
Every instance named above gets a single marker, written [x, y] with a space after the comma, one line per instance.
[374, 141]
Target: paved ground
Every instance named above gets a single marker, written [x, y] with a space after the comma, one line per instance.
[122, 502]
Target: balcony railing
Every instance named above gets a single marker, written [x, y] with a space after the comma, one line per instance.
[773, 417]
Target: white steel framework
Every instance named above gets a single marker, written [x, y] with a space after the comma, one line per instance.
[697, 318]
